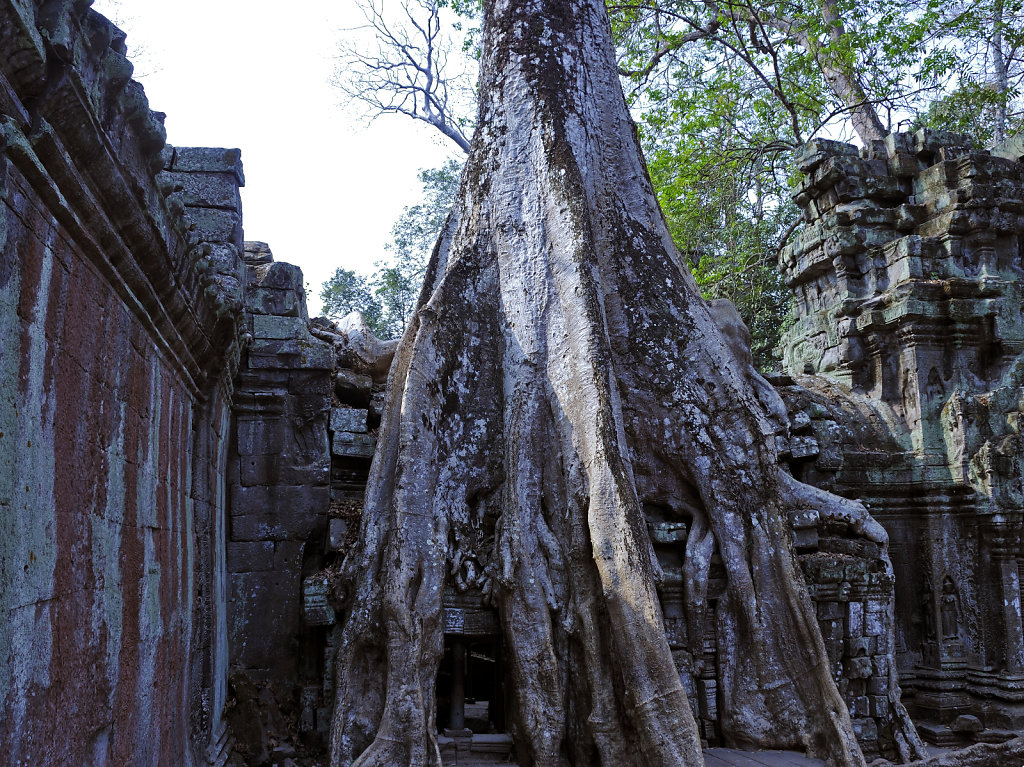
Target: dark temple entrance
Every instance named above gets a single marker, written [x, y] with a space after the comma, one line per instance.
[471, 689]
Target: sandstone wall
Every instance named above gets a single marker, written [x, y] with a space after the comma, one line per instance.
[118, 330]
[910, 332]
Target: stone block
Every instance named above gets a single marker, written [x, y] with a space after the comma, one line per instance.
[279, 276]
[965, 724]
[263, 618]
[860, 706]
[290, 353]
[316, 609]
[270, 326]
[832, 629]
[377, 404]
[216, 225]
[257, 253]
[191, 159]
[275, 526]
[806, 538]
[207, 190]
[350, 385]
[874, 624]
[349, 419]
[250, 556]
[855, 619]
[865, 730]
[258, 469]
[284, 512]
[278, 301]
[285, 468]
[260, 436]
[859, 647]
[880, 664]
[667, 532]
[349, 445]
[878, 685]
[829, 611]
[311, 382]
[857, 668]
[879, 706]
[337, 530]
[288, 556]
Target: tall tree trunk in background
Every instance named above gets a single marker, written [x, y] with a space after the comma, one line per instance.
[1001, 81]
[844, 83]
[561, 372]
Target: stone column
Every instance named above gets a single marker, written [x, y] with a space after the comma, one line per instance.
[457, 704]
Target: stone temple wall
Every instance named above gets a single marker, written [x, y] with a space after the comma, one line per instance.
[906, 371]
[119, 299]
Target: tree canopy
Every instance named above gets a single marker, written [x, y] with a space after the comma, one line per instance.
[388, 296]
[723, 91]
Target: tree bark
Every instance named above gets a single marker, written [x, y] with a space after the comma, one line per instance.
[561, 372]
[847, 87]
[1001, 81]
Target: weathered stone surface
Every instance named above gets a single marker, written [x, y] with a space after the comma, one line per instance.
[281, 328]
[908, 287]
[353, 386]
[316, 610]
[337, 532]
[209, 160]
[119, 344]
[206, 190]
[353, 445]
[290, 353]
[250, 556]
[258, 253]
[349, 419]
[262, 513]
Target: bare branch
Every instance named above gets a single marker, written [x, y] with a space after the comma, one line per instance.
[407, 71]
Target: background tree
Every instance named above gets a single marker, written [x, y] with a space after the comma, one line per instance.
[986, 38]
[388, 296]
[723, 90]
[348, 291]
[407, 69]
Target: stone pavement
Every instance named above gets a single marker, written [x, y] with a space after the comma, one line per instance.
[730, 757]
[714, 757]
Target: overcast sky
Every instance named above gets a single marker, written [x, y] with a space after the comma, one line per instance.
[322, 187]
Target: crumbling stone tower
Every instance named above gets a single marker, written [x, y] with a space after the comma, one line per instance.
[907, 285]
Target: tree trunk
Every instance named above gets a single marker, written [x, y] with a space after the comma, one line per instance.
[844, 83]
[561, 373]
[1001, 81]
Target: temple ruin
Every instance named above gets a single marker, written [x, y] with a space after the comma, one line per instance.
[183, 451]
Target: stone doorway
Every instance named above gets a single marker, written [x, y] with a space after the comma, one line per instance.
[472, 694]
[470, 685]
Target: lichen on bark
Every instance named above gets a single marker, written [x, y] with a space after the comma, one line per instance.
[561, 372]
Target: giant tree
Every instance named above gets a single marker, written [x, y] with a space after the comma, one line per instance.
[562, 371]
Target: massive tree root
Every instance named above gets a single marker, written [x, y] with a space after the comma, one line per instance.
[562, 371]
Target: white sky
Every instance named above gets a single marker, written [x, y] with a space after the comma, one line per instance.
[322, 187]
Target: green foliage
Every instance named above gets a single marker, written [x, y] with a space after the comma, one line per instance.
[728, 215]
[388, 297]
[347, 291]
[724, 92]
[984, 52]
